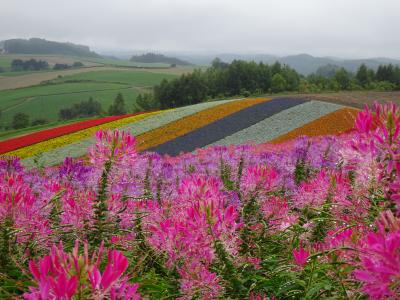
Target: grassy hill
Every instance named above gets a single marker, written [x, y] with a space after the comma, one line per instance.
[42, 46]
[158, 58]
[45, 100]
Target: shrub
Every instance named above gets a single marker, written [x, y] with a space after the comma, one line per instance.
[20, 120]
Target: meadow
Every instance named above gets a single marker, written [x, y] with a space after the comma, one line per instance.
[45, 100]
[312, 218]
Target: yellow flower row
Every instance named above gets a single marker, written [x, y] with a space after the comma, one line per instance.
[60, 141]
[187, 124]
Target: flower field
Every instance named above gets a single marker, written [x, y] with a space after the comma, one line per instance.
[24, 141]
[184, 129]
[72, 137]
[309, 218]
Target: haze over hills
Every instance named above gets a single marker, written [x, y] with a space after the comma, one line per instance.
[302, 63]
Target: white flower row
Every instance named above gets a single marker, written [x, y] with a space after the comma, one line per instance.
[79, 148]
[280, 123]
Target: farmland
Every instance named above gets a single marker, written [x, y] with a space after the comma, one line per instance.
[229, 122]
[45, 100]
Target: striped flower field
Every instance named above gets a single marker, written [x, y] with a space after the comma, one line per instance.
[185, 129]
[253, 209]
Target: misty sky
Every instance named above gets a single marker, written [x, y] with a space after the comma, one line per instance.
[345, 28]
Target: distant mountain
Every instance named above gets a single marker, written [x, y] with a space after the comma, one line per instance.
[42, 46]
[302, 63]
[158, 58]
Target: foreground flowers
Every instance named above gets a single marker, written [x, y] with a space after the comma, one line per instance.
[313, 218]
[62, 275]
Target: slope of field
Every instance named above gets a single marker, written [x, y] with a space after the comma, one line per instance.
[228, 122]
[126, 76]
[45, 100]
[26, 79]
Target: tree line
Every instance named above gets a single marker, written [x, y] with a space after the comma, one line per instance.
[251, 78]
[37, 65]
[29, 65]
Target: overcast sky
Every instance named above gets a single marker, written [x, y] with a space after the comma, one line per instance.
[343, 28]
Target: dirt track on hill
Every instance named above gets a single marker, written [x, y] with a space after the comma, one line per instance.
[36, 78]
[21, 81]
[354, 99]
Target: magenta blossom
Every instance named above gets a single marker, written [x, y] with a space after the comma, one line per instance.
[300, 256]
[61, 275]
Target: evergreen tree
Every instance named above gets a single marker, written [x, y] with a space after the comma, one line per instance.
[362, 75]
[20, 120]
[343, 78]
[278, 83]
[118, 107]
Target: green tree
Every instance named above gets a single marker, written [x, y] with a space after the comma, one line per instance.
[362, 75]
[385, 73]
[145, 102]
[20, 120]
[278, 83]
[118, 107]
[343, 78]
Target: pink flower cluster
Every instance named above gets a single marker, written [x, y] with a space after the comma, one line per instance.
[62, 275]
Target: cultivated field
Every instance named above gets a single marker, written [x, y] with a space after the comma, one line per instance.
[357, 98]
[227, 122]
[101, 83]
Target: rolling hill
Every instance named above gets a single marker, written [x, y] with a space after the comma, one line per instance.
[158, 58]
[302, 63]
[42, 46]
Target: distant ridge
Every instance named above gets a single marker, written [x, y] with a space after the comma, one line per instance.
[158, 58]
[42, 46]
[302, 63]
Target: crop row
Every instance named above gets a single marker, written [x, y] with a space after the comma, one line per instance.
[280, 123]
[226, 126]
[78, 148]
[67, 139]
[187, 125]
[340, 121]
[33, 138]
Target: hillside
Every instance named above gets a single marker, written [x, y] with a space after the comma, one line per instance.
[158, 58]
[42, 46]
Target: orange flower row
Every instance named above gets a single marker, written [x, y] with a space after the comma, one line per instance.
[335, 123]
[187, 124]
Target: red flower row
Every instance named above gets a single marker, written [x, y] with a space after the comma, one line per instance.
[40, 136]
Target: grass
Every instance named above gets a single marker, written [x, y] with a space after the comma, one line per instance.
[5, 63]
[10, 98]
[126, 63]
[48, 106]
[132, 77]
[45, 101]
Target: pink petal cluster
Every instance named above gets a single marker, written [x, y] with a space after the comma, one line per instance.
[62, 275]
[380, 263]
[300, 256]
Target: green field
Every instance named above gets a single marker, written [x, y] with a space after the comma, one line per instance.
[126, 63]
[5, 62]
[45, 101]
[131, 77]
